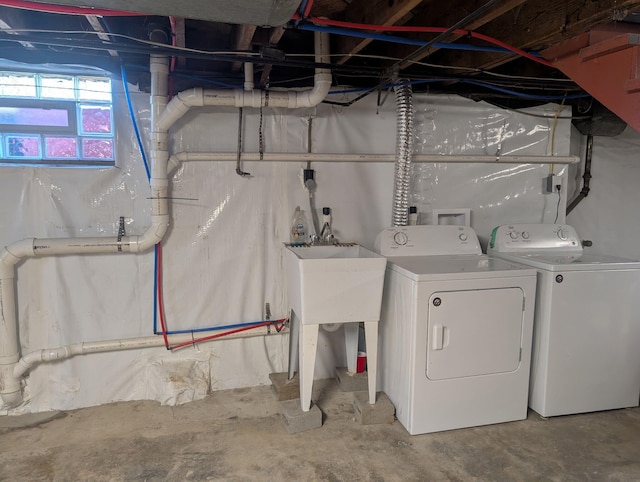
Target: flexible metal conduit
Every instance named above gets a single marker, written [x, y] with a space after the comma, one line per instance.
[404, 152]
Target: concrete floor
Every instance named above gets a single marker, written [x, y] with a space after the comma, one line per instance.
[238, 435]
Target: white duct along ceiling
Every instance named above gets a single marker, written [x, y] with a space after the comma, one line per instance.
[253, 12]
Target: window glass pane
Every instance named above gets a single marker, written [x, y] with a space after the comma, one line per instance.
[17, 85]
[94, 88]
[95, 120]
[23, 146]
[56, 87]
[97, 148]
[61, 147]
[33, 116]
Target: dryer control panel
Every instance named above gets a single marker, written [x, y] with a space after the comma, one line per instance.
[427, 240]
[528, 238]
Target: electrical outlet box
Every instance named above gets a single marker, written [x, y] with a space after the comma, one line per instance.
[553, 184]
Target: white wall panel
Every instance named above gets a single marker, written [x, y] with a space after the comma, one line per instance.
[222, 254]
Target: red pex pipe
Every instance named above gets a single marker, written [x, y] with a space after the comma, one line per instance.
[403, 28]
[68, 10]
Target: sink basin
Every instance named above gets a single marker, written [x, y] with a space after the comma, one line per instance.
[335, 284]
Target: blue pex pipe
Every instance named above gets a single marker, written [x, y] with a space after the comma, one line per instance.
[216, 328]
[405, 41]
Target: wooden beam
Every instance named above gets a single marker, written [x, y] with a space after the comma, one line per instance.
[274, 37]
[543, 23]
[94, 21]
[181, 40]
[455, 10]
[5, 26]
[378, 12]
[244, 36]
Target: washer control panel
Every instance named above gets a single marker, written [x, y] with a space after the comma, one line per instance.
[427, 240]
[514, 238]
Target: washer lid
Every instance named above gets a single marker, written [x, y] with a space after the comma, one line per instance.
[568, 262]
[427, 268]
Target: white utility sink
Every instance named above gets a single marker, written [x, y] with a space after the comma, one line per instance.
[340, 283]
[335, 284]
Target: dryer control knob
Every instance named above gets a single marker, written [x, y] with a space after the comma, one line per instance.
[562, 235]
[463, 237]
[513, 235]
[525, 235]
[400, 238]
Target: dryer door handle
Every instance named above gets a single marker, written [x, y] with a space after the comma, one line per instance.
[438, 337]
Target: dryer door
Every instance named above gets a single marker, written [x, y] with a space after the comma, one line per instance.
[475, 332]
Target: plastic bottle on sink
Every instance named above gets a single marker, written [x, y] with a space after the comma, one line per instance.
[299, 230]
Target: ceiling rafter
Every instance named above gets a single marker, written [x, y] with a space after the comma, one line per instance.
[379, 12]
[94, 21]
[244, 35]
[455, 10]
[274, 37]
[543, 23]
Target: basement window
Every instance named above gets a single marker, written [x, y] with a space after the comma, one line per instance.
[56, 120]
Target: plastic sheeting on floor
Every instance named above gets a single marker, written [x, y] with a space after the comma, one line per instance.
[222, 253]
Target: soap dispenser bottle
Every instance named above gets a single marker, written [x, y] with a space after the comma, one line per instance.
[299, 228]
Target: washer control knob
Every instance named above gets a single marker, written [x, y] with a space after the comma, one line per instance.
[525, 235]
[400, 238]
[463, 237]
[513, 235]
[562, 235]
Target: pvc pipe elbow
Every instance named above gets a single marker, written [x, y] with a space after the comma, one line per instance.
[178, 107]
[13, 254]
[22, 249]
[10, 385]
[173, 164]
[153, 235]
[12, 399]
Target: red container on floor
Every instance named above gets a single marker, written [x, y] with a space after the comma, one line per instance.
[362, 362]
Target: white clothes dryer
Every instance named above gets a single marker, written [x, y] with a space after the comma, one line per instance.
[586, 344]
[455, 330]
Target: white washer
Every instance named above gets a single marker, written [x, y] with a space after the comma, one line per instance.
[586, 353]
[455, 330]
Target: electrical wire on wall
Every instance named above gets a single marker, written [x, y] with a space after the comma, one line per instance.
[558, 190]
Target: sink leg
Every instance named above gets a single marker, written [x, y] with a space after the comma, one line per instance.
[308, 347]
[351, 343]
[371, 337]
[294, 333]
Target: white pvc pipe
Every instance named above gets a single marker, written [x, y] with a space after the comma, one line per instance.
[198, 97]
[176, 159]
[10, 385]
[248, 76]
[163, 116]
[28, 361]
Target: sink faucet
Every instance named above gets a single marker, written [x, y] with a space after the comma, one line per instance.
[326, 235]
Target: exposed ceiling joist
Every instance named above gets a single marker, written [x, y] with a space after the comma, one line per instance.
[554, 22]
[380, 12]
[455, 10]
[179, 30]
[94, 21]
[244, 36]
[274, 37]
